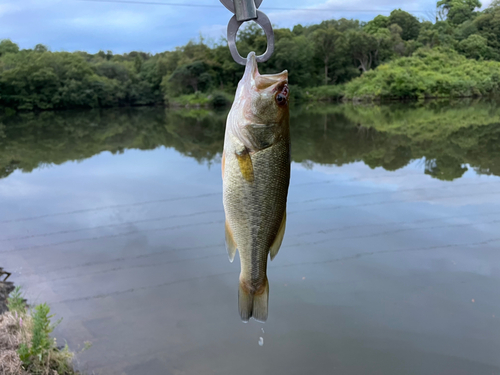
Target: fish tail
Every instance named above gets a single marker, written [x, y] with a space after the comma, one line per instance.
[253, 304]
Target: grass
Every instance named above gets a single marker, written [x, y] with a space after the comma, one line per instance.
[16, 302]
[26, 346]
[331, 93]
[199, 99]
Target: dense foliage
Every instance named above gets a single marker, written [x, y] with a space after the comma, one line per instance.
[403, 50]
[427, 74]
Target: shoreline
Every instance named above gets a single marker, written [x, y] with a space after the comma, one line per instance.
[26, 346]
[342, 100]
[6, 287]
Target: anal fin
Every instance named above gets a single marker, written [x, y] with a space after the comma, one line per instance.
[230, 243]
[275, 247]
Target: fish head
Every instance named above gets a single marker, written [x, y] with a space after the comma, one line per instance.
[263, 99]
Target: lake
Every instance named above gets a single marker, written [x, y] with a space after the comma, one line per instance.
[390, 262]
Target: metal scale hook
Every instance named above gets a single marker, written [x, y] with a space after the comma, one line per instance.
[247, 10]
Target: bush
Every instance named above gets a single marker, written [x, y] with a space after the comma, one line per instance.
[297, 93]
[26, 342]
[197, 99]
[427, 74]
[15, 301]
[220, 99]
[325, 93]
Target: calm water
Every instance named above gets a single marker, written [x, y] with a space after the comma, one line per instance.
[390, 263]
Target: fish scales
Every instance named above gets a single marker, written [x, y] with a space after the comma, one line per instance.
[257, 208]
[256, 175]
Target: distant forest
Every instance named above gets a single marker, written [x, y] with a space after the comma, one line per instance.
[396, 56]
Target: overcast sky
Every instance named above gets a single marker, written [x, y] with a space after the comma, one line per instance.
[71, 25]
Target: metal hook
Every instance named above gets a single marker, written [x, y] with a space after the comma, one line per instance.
[229, 4]
[232, 29]
[246, 10]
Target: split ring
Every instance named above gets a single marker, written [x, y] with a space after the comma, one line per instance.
[232, 29]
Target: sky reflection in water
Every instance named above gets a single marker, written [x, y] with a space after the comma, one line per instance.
[392, 233]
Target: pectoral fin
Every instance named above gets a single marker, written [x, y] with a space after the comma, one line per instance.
[273, 251]
[230, 244]
[245, 163]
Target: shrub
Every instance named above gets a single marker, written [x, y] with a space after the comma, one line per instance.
[219, 99]
[29, 334]
[427, 74]
[16, 302]
[325, 93]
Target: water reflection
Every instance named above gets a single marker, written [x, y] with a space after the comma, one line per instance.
[378, 265]
[450, 136]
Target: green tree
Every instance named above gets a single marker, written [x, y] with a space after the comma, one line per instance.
[399, 46]
[7, 46]
[41, 48]
[488, 24]
[446, 34]
[379, 22]
[457, 11]
[138, 63]
[475, 47]
[294, 53]
[409, 23]
[194, 76]
[368, 50]
[325, 43]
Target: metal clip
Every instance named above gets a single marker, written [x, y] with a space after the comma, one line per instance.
[246, 10]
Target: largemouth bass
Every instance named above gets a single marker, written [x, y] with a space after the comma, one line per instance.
[256, 175]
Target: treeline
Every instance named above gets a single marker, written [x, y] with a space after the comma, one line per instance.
[448, 136]
[331, 54]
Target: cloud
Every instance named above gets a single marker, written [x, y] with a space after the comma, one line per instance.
[414, 185]
[356, 9]
[486, 3]
[214, 33]
[92, 26]
[8, 8]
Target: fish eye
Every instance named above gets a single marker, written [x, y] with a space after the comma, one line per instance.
[280, 99]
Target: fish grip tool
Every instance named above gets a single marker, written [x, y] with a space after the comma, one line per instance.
[247, 10]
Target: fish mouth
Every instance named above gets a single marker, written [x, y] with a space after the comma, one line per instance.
[264, 81]
[251, 69]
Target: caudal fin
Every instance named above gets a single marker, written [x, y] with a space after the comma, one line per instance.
[253, 305]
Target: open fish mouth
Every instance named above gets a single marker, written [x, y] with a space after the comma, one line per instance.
[253, 78]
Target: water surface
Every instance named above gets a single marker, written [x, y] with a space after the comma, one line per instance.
[390, 263]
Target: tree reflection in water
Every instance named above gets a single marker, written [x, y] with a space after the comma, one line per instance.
[448, 136]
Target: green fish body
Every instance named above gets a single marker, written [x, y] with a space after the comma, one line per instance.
[256, 176]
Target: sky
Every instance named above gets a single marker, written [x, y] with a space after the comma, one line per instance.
[71, 25]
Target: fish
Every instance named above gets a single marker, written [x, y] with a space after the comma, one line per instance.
[256, 176]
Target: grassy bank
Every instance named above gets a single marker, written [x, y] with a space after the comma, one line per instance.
[25, 343]
[201, 100]
[5, 289]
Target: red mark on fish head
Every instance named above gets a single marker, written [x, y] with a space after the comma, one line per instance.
[282, 94]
